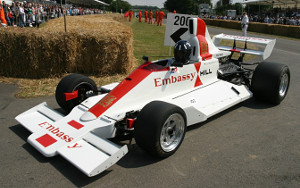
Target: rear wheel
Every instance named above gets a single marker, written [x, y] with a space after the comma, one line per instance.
[74, 89]
[270, 82]
[160, 128]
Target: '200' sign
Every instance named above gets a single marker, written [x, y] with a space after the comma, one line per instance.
[177, 27]
[181, 20]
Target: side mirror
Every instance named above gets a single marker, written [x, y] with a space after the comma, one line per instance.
[145, 58]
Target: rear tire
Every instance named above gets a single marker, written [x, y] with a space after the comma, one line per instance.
[160, 128]
[270, 82]
[86, 87]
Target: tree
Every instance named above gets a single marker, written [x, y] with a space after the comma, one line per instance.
[144, 7]
[238, 8]
[185, 6]
[221, 8]
[124, 5]
[181, 6]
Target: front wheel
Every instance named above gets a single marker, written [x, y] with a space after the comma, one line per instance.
[160, 128]
[74, 89]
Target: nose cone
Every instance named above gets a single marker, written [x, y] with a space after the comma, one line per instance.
[88, 116]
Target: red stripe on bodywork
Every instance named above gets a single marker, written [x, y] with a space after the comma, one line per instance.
[125, 86]
[204, 49]
[46, 140]
[198, 81]
[201, 27]
[75, 124]
[197, 66]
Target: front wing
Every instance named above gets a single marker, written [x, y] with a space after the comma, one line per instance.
[76, 141]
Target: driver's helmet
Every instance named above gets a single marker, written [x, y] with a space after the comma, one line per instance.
[182, 51]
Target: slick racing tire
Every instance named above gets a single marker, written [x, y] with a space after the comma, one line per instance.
[270, 82]
[70, 84]
[160, 128]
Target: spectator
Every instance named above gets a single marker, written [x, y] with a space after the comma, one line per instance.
[245, 22]
[150, 17]
[2, 17]
[21, 15]
[140, 16]
[14, 9]
[161, 15]
[6, 11]
[156, 16]
[146, 16]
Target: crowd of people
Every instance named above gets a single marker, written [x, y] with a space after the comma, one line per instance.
[272, 20]
[292, 20]
[23, 14]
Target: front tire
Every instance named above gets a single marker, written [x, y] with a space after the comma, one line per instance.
[270, 82]
[160, 128]
[85, 86]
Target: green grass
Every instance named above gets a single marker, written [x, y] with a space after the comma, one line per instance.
[148, 40]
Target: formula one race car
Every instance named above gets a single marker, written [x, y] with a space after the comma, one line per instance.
[156, 102]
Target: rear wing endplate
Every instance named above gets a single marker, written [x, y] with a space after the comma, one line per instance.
[265, 45]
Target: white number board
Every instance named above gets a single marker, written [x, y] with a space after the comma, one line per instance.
[177, 28]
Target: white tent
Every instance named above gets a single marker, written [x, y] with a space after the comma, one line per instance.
[9, 2]
[101, 2]
[88, 2]
[275, 3]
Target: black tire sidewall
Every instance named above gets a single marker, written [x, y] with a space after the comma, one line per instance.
[149, 125]
[266, 81]
[68, 85]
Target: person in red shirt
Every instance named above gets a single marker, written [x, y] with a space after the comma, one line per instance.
[140, 16]
[146, 16]
[161, 15]
[156, 16]
[130, 15]
[150, 17]
[10, 15]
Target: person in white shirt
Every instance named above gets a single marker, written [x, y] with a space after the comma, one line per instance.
[245, 22]
[21, 16]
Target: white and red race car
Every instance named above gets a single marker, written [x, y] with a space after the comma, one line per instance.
[155, 103]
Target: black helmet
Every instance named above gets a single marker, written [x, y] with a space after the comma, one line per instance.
[182, 51]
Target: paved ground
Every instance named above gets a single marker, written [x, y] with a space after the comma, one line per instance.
[249, 145]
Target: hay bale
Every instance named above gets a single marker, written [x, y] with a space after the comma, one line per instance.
[95, 44]
[293, 31]
[258, 27]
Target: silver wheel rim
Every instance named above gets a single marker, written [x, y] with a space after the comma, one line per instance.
[283, 84]
[172, 132]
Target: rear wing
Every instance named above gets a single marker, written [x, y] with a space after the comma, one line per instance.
[265, 45]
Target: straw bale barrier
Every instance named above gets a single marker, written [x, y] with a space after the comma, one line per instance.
[93, 45]
[274, 29]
